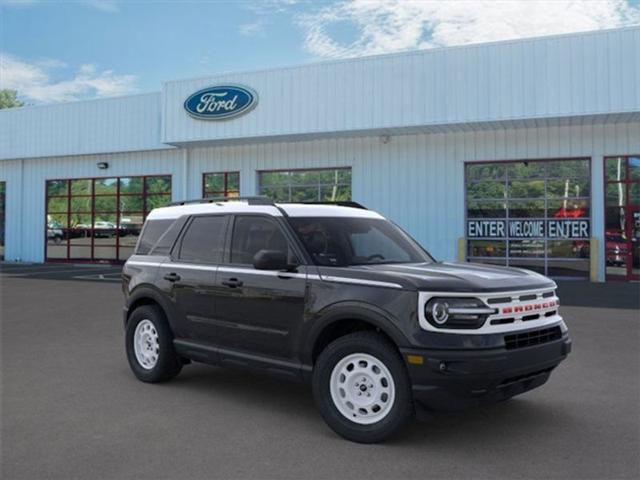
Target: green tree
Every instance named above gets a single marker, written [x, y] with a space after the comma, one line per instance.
[9, 99]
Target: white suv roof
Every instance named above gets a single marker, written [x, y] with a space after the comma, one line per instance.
[292, 209]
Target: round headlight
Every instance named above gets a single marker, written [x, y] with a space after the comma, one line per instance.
[461, 313]
[440, 312]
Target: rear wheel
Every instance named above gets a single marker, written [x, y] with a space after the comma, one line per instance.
[149, 345]
[362, 388]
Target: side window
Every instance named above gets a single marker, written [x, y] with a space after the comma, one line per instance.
[252, 234]
[204, 240]
[152, 231]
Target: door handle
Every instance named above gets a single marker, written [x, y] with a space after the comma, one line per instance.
[233, 283]
[172, 277]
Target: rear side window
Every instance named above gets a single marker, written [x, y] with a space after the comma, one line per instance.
[152, 231]
[204, 240]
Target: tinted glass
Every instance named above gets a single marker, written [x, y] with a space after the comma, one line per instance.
[2, 194]
[101, 215]
[616, 194]
[485, 171]
[634, 168]
[151, 232]
[528, 198]
[57, 187]
[204, 239]
[81, 187]
[106, 186]
[356, 241]
[131, 185]
[252, 234]
[329, 185]
[222, 184]
[487, 248]
[485, 190]
[158, 184]
[615, 169]
[157, 201]
[568, 168]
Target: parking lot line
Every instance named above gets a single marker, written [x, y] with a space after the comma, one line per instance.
[109, 277]
[47, 271]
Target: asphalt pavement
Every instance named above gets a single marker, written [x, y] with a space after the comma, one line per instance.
[72, 409]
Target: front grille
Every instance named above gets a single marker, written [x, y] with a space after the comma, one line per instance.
[526, 298]
[535, 337]
[499, 300]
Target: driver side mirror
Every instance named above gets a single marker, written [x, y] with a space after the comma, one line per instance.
[270, 260]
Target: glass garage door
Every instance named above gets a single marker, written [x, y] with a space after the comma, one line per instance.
[2, 210]
[221, 184]
[533, 214]
[622, 217]
[323, 185]
[99, 219]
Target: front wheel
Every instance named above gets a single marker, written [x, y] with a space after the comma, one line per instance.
[149, 345]
[361, 387]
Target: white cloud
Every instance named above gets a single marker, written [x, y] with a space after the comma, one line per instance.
[252, 29]
[34, 82]
[265, 7]
[393, 25]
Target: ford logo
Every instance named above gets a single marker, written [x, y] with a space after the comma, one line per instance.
[221, 102]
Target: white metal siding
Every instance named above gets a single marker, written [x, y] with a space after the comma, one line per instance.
[25, 215]
[418, 180]
[97, 126]
[562, 76]
[415, 180]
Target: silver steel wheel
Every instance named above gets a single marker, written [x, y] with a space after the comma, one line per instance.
[146, 345]
[362, 388]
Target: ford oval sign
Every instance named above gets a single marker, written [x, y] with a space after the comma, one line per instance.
[221, 102]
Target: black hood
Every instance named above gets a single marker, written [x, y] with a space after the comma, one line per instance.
[445, 276]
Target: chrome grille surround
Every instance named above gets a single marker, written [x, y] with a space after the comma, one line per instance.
[504, 299]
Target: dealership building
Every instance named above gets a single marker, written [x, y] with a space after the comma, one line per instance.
[522, 153]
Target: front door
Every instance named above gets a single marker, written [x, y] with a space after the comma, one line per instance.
[622, 217]
[258, 310]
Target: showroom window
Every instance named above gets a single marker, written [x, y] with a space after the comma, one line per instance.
[622, 217]
[325, 185]
[533, 214]
[3, 187]
[221, 184]
[100, 219]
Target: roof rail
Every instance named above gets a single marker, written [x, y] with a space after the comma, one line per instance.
[249, 200]
[339, 203]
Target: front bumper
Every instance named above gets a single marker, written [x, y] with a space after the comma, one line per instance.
[455, 379]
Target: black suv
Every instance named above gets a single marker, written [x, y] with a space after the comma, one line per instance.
[340, 297]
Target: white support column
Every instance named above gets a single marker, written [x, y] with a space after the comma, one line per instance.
[184, 194]
[597, 213]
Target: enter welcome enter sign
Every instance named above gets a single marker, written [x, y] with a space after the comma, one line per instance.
[564, 228]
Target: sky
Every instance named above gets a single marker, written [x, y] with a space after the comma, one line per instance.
[57, 51]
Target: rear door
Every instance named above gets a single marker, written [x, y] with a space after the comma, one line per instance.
[259, 310]
[190, 275]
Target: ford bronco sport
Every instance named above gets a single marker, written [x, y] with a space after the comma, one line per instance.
[341, 298]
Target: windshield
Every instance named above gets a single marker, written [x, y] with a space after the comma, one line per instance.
[340, 242]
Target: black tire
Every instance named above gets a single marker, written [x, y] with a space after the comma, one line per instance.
[168, 364]
[379, 347]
